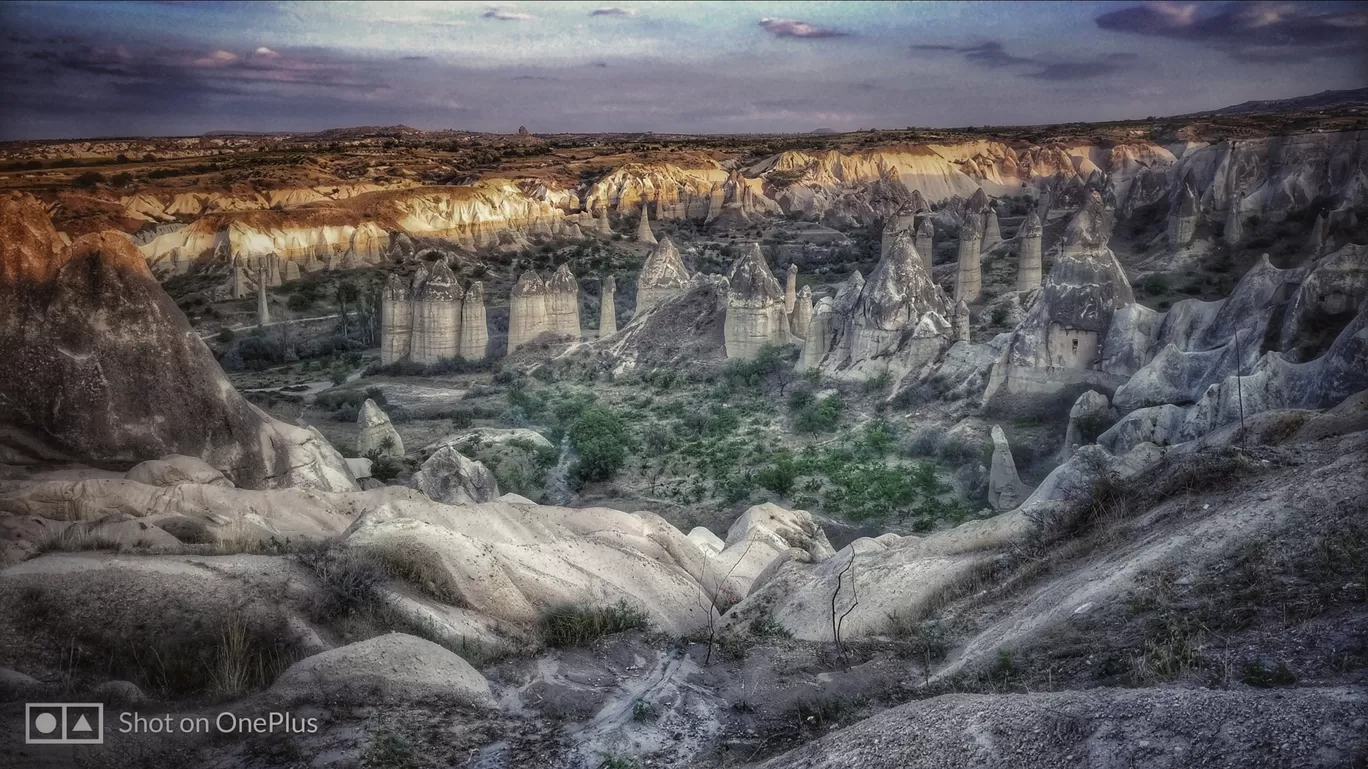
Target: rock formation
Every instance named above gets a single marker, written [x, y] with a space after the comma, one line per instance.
[969, 276]
[925, 242]
[1086, 417]
[662, 276]
[1182, 219]
[396, 320]
[791, 288]
[452, 478]
[377, 432]
[607, 307]
[263, 309]
[473, 343]
[88, 327]
[527, 317]
[1005, 489]
[436, 316]
[644, 234]
[1028, 250]
[562, 303]
[817, 343]
[896, 296]
[273, 277]
[1058, 342]
[992, 231]
[292, 271]
[961, 313]
[755, 306]
[801, 317]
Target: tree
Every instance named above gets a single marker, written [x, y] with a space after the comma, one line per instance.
[601, 438]
[346, 293]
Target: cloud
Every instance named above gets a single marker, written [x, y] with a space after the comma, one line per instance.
[1253, 31]
[994, 55]
[613, 10]
[218, 58]
[506, 14]
[795, 28]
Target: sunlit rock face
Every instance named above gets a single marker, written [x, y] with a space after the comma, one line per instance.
[473, 342]
[992, 231]
[376, 433]
[755, 306]
[562, 303]
[607, 307]
[95, 352]
[791, 288]
[678, 192]
[662, 276]
[1059, 342]
[1028, 251]
[436, 316]
[817, 343]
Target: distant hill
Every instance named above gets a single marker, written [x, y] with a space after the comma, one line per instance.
[1338, 100]
[822, 132]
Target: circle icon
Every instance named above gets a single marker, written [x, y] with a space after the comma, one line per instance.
[45, 723]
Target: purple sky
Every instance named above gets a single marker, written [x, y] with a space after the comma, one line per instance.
[172, 68]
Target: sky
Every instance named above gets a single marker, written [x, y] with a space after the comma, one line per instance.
[77, 69]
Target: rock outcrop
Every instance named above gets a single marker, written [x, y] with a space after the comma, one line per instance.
[1182, 219]
[377, 433]
[961, 321]
[817, 343]
[562, 303]
[393, 668]
[607, 307]
[527, 317]
[791, 288]
[263, 307]
[452, 478]
[88, 327]
[662, 277]
[992, 231]
[473, 341]
[1086, 419]
[897, 295]
[1029, 268]
[755, 306]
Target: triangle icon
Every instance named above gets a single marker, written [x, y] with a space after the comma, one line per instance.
[82, 725]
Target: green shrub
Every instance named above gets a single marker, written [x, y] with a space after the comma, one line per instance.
[780, 476]
[581, 624]
[1259, 675]
[819, 417]
[602, 440]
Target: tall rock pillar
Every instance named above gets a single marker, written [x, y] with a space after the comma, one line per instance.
[607, 307]
[925, 241]
[969, 279]
[473, 342]
[1182, 222]
[396, 321]
[644, 234]
[526, 310]
[992, 231]
[1029, 268]
[801, 317]
[263, 311]
[663, 276]
[755, 306]
[562, 303]
[961, 321]
[438, 304]
[791, 288]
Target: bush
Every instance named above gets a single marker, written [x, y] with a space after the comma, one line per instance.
[779, 477]
[601, 438]
[580, 625]
[89, 179]
[819, 417]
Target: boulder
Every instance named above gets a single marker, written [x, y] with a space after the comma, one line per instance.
[707, 541]
[377, 433]
[453, 479]
[392, 668]
[1087, 416]
[175, 469]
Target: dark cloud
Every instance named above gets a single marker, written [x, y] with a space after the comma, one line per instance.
[994, 55]
[795, 28]
[613, 11]
[501, 13]
[1256, 31]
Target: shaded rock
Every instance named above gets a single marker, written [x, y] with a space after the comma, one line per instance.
[607, 307]
[473, 342]
[562, 303]
[396, 320]
[1086, 418]
[755, 306]
[662, 277]
[527, 312]
[1028, 251]
[1005, 489]
[453, 479]
[969, 277]
[175, 469]
[391, 668]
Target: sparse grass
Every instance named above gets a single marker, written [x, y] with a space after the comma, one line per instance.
[582, 624]
[389, 750]
[643, 711]
[616, 761]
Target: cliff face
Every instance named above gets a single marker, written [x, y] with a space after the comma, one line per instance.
[95, 352]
